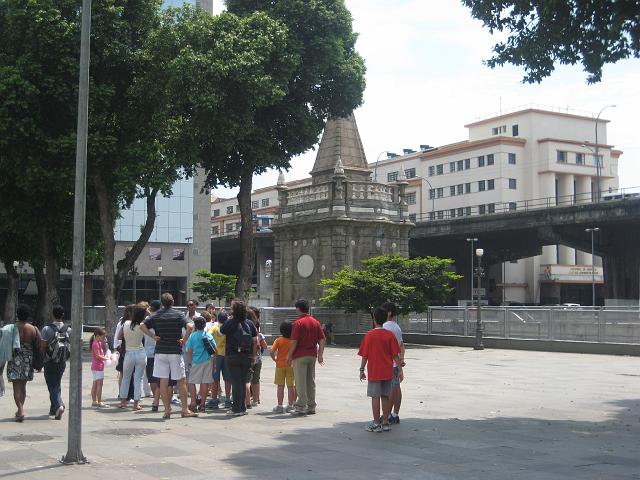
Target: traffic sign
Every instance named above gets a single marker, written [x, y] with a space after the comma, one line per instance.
[479, 291]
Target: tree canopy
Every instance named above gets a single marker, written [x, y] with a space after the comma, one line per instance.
[545, 32]
[216, 286]
[413, 284]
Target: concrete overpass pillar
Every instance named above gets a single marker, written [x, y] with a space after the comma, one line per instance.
[547, 187]
[566, 193]
[583, 189]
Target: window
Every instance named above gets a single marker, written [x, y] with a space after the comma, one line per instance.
[461, 212]
[499, 130]
[467, 163]
[410, 173]
[452, 213]
[481, 186]
[579, 158]
[230, 210]
[452, 167]
[216, 212]
[228, 228]
[155, 253]
[481, 161]
[460, 165]
[482, 209]
[460, 189]
[265, 202]
[561, 156]
[467, 211]
[512, 206]
[411, 198]
[490, 184]
[440, 169]
[412, 217]
[512, 158]
[512, 183]
[440, 192]
[254, 204]
[467, 188]
[440, 214]
[452, 190]
[178, 254]
[491, 208]
[432, 216]
[392, 177]
[432, 193]
[265, 222]
[514, 130]
[215, 230]
[432, 171]
[490, 159]
[237, 208]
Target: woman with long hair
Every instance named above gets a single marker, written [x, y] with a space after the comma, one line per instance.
[135, 358]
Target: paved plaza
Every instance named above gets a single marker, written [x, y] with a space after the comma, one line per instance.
[494, 414]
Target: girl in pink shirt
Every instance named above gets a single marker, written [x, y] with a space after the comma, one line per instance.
[97, 367]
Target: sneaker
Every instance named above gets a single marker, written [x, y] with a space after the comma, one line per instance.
[175, 401]
[103, 406]
[231, 413]
[373, 427]
[311, 411]
[254, 403]
[299, 411]
[212, 403]
[59, 412]
[386, 427]
[244, 413]
[227, 404]
[280, 409]
[154, 408]
[248, 406]
[94, 404]
[289, 408]
[201, 408]
[394, 419]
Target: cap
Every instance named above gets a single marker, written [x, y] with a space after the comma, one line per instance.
[155, 305]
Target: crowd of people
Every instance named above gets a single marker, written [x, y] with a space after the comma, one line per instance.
[189, 359]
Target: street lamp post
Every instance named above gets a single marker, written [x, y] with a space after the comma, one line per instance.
[598, 162]
[160, 282]
[433, 199]
[593, 265]
[16, 266]
[472, 240]
[478, 344]
[188, 239]
[134, 274]
[375, 169]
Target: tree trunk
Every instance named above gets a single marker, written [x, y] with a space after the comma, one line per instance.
[12, 292]
[52, 275]
[114, 278]
[247, 261]
[41, 303]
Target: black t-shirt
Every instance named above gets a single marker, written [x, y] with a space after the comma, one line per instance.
[230, 329]
[168, 324]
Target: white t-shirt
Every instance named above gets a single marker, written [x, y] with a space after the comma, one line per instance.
[394, 328]
[133, 338]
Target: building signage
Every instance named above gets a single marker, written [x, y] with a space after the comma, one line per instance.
[571, 274]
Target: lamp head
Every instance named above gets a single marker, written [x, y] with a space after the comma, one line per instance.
[16, 264]
[160, 269]
[479, 252]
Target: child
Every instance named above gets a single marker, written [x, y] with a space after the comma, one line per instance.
[254, 376]
[201, 361]
[284, 372]
[379, 348]
[97, 366]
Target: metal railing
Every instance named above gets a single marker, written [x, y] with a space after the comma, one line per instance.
[519, 206]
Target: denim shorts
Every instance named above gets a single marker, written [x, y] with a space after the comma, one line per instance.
[396, 381]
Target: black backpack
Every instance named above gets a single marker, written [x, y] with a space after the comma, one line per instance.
[244, 338]
[59, 347]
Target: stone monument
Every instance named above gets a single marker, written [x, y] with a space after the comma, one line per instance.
[342, 218]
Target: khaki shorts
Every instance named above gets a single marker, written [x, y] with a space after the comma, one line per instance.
[379, 388]
[201, 373]
[284, 374]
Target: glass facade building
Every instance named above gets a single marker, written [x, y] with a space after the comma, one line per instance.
[174, 217]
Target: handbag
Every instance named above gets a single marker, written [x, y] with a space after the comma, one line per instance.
[208, 346]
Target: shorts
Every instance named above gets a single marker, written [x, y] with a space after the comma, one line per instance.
[97, 375]
[221, 366]
[201, 373]
[168, 366]
[149, 371]
[254, 374]
[284, 374]
[379, 388]
[395, 383]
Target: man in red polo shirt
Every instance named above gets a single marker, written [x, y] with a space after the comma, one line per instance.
[307, 344]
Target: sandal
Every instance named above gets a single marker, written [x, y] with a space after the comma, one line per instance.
[19, 418]
[137, 409]
[166, 415]
[189, 414]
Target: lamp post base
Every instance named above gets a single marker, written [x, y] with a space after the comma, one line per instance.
[478, 343]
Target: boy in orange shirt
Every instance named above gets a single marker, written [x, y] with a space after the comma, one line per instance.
[284, 372]
[379, 348]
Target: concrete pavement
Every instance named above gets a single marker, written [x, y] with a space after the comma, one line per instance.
[466, 414]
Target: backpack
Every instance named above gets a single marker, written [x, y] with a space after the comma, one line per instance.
[245, 340]
[59, 347]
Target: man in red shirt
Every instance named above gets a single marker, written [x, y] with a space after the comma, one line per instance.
[379, 349]
[307, 344]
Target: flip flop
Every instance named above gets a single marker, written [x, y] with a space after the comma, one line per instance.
[166, 415]
[19, 418]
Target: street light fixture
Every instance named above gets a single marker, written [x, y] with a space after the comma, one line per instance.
[472, 240]
[598, 162]
[478, 344]
[375, 169]
[160, 282]
[593, 266]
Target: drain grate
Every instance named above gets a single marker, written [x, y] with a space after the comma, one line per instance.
[29, 438]
[127, 432]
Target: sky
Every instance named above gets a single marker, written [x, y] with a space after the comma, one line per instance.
[426, 80]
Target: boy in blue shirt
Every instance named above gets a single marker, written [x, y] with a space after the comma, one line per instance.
[201, 372]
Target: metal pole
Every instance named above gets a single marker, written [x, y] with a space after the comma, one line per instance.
[472, 240]
[188, 239]
[593, 273]
[598, 163]
[74, 447]
[478, 343]
[159, 284]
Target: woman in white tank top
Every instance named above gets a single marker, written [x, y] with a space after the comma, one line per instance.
[135, 359]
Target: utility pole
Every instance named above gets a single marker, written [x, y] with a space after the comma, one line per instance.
[74, 445]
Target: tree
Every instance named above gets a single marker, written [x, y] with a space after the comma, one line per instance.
[545, 32]
[413, 284]
[323, 75]
[214, 286]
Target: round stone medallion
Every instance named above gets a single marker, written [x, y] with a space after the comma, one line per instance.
[305, 266]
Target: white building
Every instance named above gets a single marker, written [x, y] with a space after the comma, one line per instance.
[527, 158]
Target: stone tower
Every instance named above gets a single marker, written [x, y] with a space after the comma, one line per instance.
[342, 218]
